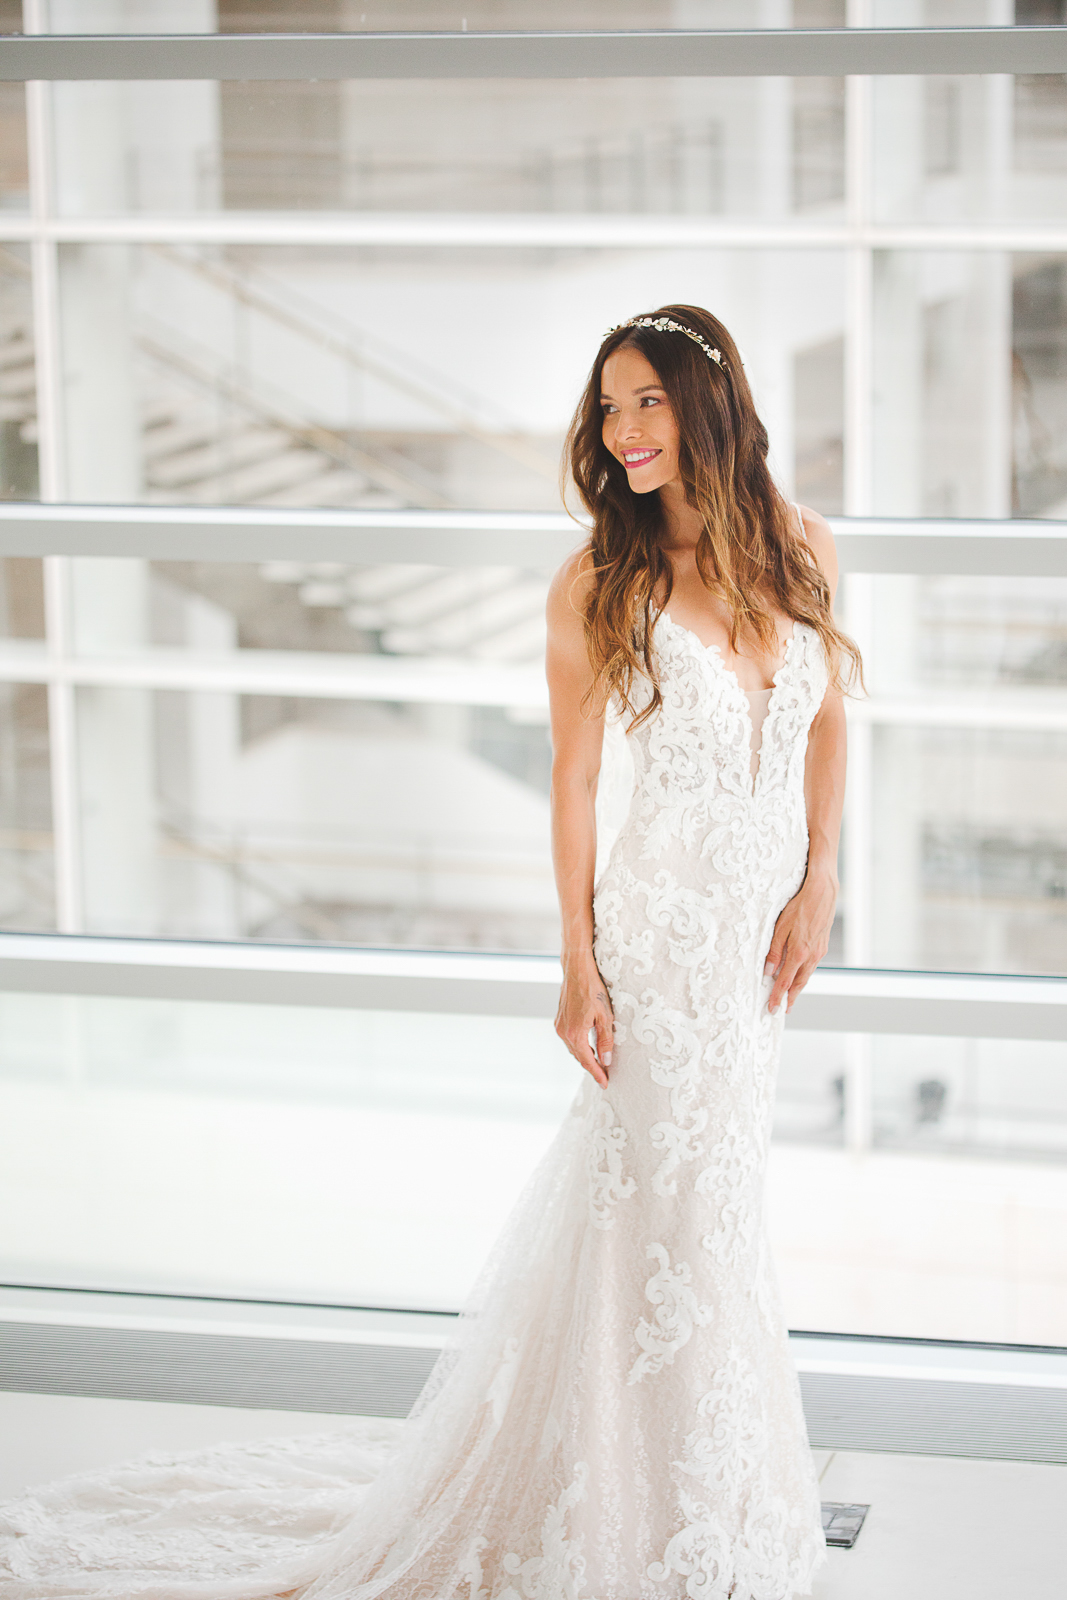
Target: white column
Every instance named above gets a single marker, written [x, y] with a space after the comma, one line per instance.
[66, 835]
[101, 448]
[858, 589]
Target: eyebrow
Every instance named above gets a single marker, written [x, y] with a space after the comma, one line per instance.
[645, 388]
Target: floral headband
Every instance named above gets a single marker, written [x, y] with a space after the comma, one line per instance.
[666, 325]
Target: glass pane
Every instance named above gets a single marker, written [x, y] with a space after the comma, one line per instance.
[422, 16]
[27, 897]
[967, 717]
[14, 175]
[200, 1149]
[970, 384]
[14, 172]
[218, 1137]
[985, 633]
[376, 16]
[951, 1227]
[327, 376]
[810, 1104]
[740, 147]
[942, 436]
[278, 817]
[494, 616]
[1003, 1098]
[969, 149]
[1039, 385]
[970, 871]
[18, 381]
[21, 599]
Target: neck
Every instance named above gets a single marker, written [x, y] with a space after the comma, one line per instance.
[682, 523]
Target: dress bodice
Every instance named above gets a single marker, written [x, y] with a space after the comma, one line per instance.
[696, 787]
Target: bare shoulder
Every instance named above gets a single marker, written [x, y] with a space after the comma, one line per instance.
[821, 543]
[570, 589]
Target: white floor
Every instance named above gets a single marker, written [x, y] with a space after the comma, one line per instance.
[938, 1528]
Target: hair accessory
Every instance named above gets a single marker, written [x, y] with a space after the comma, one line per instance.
[666, 325]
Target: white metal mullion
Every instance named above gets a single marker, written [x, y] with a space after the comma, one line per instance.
[948, 1004]
[428, 681]
[537, 540]
[66, 835]
[562, 230]
[858, 460]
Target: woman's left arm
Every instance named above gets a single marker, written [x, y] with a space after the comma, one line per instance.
[802, 932]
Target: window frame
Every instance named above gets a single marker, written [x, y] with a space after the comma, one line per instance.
[857, 1000]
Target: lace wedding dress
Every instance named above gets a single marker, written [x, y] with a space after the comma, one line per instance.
[619, 1417]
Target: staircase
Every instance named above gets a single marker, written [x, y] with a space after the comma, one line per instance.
[213, 438]
[210, 437]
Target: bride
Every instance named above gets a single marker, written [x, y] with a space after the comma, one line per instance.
[618, 1417]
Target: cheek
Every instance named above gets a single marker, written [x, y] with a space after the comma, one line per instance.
[670, 441]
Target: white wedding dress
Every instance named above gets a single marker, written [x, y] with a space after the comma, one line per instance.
[619, 1417]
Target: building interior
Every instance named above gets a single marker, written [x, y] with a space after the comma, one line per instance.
[231, 781]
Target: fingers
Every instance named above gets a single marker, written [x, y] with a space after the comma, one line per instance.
[800, 981]
[781, 987]
[798, 964]
[590, 1041]
[582, 1051]
[605, 1037]
[775, 953]
[793, 959]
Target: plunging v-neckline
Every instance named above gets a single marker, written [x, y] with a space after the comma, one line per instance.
[714, 652]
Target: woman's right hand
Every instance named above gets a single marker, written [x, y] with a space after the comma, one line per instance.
[584, 1008]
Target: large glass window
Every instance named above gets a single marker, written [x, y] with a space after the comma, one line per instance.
[370, 1157]
[383, 296]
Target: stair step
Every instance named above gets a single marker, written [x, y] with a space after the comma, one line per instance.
[248, 485]
[445, 597]
[16, 353]
[339, 487]
[524, 641]
[220, 458]
[469, 625]
[14, 410]
[373, 586]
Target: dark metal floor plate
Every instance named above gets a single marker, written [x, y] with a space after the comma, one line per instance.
[842, 1523]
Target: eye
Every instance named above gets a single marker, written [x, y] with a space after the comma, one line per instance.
[608, 409]
[651, 400]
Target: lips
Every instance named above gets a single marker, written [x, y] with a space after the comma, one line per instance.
[638, 458]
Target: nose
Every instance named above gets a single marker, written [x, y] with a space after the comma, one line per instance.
[626, 427]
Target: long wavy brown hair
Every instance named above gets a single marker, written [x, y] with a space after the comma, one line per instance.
[749, 550]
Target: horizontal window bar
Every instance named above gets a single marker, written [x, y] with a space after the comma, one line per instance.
[527, 230]
[236, 533]
[303, 674]
[484, 538]
[715, 53]
[837, 1000]
[985, 1401]
[860, 1394]
[431, 681]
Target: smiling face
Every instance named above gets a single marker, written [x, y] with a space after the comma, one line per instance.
[639, 426]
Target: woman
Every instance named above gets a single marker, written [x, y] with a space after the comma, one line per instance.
[618, 1418]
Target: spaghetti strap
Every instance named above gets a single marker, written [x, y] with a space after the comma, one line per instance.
[800, 523]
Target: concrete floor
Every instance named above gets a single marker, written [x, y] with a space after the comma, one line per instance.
[939, 1528]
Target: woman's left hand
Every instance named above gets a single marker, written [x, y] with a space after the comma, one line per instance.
[801, 937]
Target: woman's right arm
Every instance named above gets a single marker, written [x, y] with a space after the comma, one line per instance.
[577, 739]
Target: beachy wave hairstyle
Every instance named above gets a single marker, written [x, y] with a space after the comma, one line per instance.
[749, 551]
